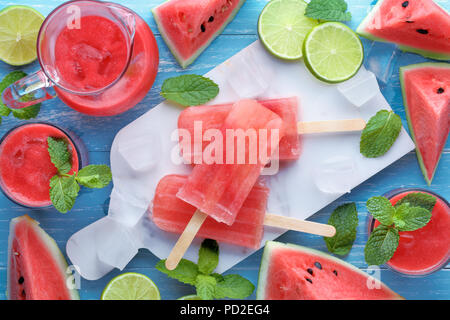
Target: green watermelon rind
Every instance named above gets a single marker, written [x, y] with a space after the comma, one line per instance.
[361, 30]
[408, 117]
[185, 63]
[51, 246]
[273, 245]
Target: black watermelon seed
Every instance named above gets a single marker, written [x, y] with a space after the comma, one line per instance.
[422, 31]
[211, 19]
[318, 265]
[407, 21]
[405, 4]
[335, 272]
[21, 280]
[440, 90]
[309, 280]
[24, 294]
[310, 271]
[203, 28]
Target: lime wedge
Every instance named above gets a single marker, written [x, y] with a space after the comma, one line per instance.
[131, 286]
[333, 52]
[282, 27]
[19, 28]
[190, 297]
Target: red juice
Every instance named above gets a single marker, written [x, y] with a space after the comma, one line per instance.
[427, 249]
[95, 56]
[25, 166]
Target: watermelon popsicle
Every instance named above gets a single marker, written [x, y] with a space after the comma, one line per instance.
[173, 215]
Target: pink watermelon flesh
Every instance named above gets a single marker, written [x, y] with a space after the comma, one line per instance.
[36, 267]
[426, 93]
[188, 27]
[291, 272]
[420, 26]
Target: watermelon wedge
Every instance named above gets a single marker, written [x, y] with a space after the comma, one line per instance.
[36, 267]
[426, 96]
[188, 27]
[291, 272]
[419, 26]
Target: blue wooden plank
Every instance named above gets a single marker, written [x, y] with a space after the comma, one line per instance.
[98, 134]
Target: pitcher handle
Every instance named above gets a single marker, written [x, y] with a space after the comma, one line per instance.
[28, 91]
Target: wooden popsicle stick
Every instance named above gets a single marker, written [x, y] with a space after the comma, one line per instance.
[331, 126]
[185, 240]
[287, 223]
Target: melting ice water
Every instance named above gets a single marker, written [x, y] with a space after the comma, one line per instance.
[336, 175]
[381, 59]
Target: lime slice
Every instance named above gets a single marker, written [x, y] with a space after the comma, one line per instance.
[190, 297]
[19, 28]
[282, 27]
[333, 52]
[131, 286]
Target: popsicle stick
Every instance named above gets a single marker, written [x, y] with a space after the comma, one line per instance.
[287, 223]
[331, 126]
[185, 240]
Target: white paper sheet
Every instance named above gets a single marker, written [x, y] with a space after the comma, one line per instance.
[141, 156]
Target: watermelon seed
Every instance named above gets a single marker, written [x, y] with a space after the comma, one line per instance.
[309, 280]
[335, 272]
[202, 27]
[422, 31]
[409, 21]
[21, 280]
[211, 19]
[23, 293]
[440, 90]
[310, 271]
[405, 4]
[318, 265]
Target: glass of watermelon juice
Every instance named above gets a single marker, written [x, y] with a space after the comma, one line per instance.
[98, 57]
[25, 166]
[425, 250]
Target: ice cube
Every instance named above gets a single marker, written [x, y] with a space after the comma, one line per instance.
[360, 89]
[381, 59]
[124, 209]
[336, 175]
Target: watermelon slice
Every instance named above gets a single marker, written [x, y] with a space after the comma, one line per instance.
[188, 27]
[291, 272]
[426, 95]
[419, 26]
[36, 267]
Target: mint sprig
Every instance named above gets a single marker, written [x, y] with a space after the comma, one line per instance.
[409, 214]
[328, 10]
[208, 285]
[380, 134]
[189, 89]
[345, 219]
[64, 187]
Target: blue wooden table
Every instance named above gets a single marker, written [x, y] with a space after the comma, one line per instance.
[98, 134]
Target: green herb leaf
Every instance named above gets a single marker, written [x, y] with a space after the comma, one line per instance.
[418, 199]
[345, 219]
[189, 90]
[208, 256]
[381, 246]
[234, 286]
[60, 155]
[63, 192]
[205, 286]
[381, 209]
[409, 218]
[380, 134]
[328, 10]
[27, 113]
[185, 272]
[95, 176]
[4, 110]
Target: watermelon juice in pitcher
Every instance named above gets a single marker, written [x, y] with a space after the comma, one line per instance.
[99, 58]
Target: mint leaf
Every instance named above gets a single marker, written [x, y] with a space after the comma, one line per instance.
[381, 209]
[381, 246]
[185, 272]
[208, 256]
[63, 192]
[94, 176]
[409, 218]
[4, 110]
[189, 90]
[345, 219]
[28, 112]
[418, 199]
[60, 155]
[205, 286]
[380, 134]
[328, 10]
[234, 286]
